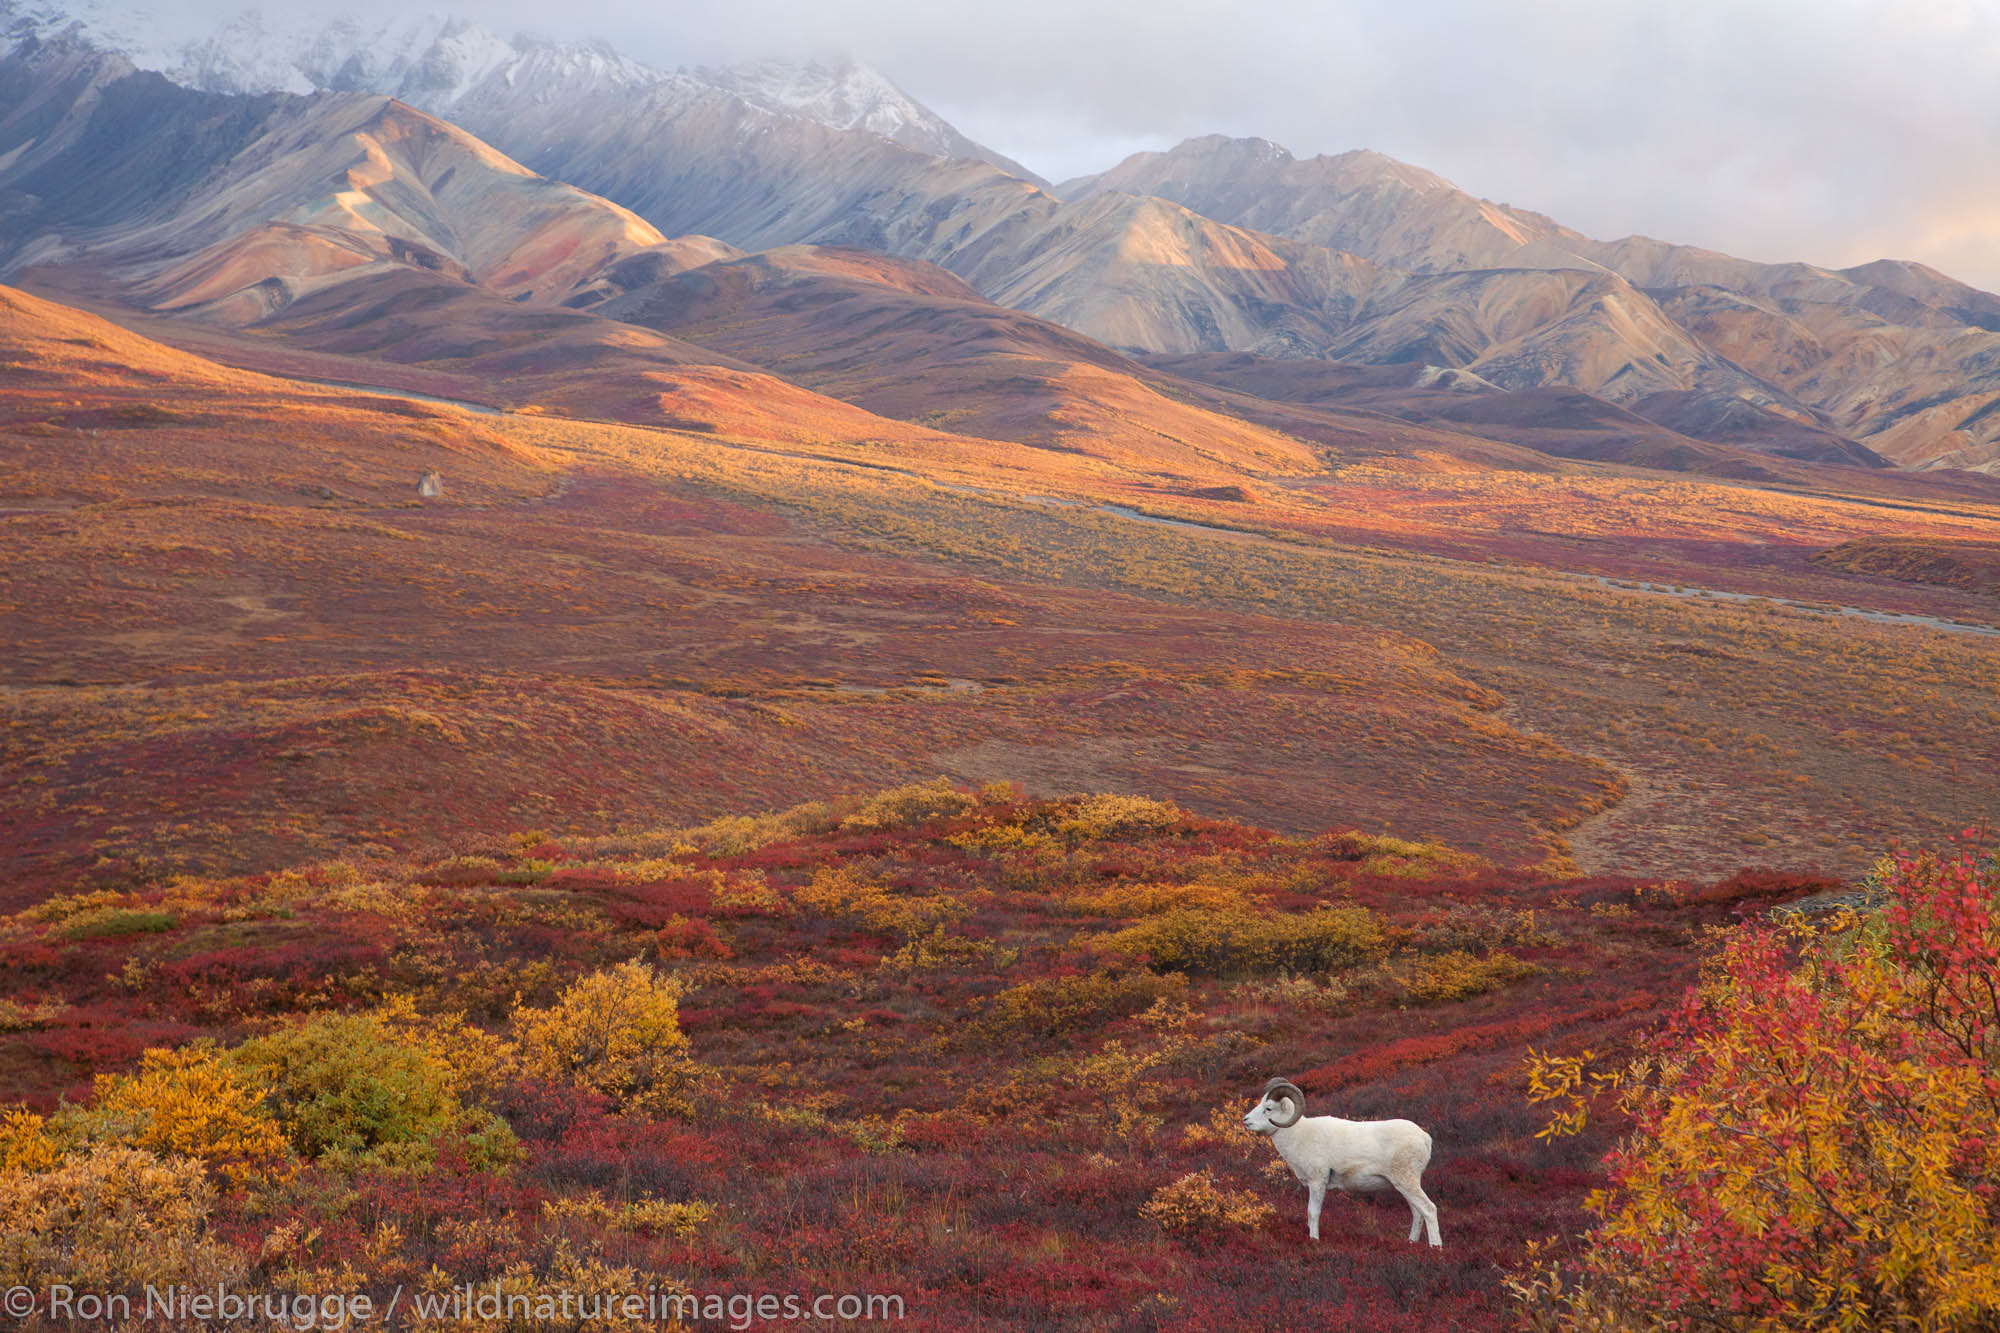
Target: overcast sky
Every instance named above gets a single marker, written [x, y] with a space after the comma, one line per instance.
[1831, 131]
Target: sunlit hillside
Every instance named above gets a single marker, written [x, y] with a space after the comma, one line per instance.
[242, 637]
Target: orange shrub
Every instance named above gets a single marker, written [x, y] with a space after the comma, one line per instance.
[191, 1102]
[1198, 1203]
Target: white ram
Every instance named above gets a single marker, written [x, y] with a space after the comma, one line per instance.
[1325, 1150]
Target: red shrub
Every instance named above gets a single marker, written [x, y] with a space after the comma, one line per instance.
[690, 937]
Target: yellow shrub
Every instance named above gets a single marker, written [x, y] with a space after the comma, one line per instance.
[308, 884]
[732, 835]
[1197, 1203]
[101, 912]
[1224, 1132]
[111, 1219]
[785, 972]
[657, 1217]
[844, 895]
[943, 951]
[1477, 927]
[1046, 1009]
[872, 1134]
[1169, 1039]
[482, 864]
[349, 1089]
[1809, 1143]
[1107, 816]
[1134, 899]
[25, 1143]
[27, 1017]
[618, 1032]
[380, 897]
[474, 1061]
[1458, 975]
[63, 906]
[188, 1102]
[1399, 858]
[1296, 993]
[649, 1217]
[1240, 943]
[917, 803]
[1003, 838]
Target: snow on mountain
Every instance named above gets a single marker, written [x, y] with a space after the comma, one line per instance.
[148, 40]
[423, 58]
[435, 61]
[850, 96]
[844, 95]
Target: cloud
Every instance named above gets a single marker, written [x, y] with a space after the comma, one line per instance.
[1834, 131]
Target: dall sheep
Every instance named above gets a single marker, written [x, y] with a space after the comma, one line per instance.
[1346, 1154]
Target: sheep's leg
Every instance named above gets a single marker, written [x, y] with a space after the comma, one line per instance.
[1430, 1219]
[1423, 1213]
[1316, 1195]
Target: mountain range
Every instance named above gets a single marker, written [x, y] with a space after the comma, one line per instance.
[426, 192]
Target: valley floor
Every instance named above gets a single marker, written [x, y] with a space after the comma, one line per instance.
[239, 638]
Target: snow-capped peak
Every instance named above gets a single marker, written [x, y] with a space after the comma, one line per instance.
[124, 34]
[848, 95]
[420, 57]
[437, 62]
[843, 94]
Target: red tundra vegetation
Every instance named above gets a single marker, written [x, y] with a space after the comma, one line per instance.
[982, 1052]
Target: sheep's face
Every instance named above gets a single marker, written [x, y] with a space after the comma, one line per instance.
[1271, 1114]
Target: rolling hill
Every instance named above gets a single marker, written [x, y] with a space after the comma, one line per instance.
[1217, 246]
[1891, 355]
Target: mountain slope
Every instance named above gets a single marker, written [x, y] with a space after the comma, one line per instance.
[370, 167]
[95, 412]
[1362, 202]
[1891, 354]
[241, 204]
[1551, 421]
[393, 208]
[352, 226]
[909, 340]
[1219, 246]
[1137, 272]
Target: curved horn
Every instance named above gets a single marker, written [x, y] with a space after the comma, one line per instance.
[1286, 1090]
